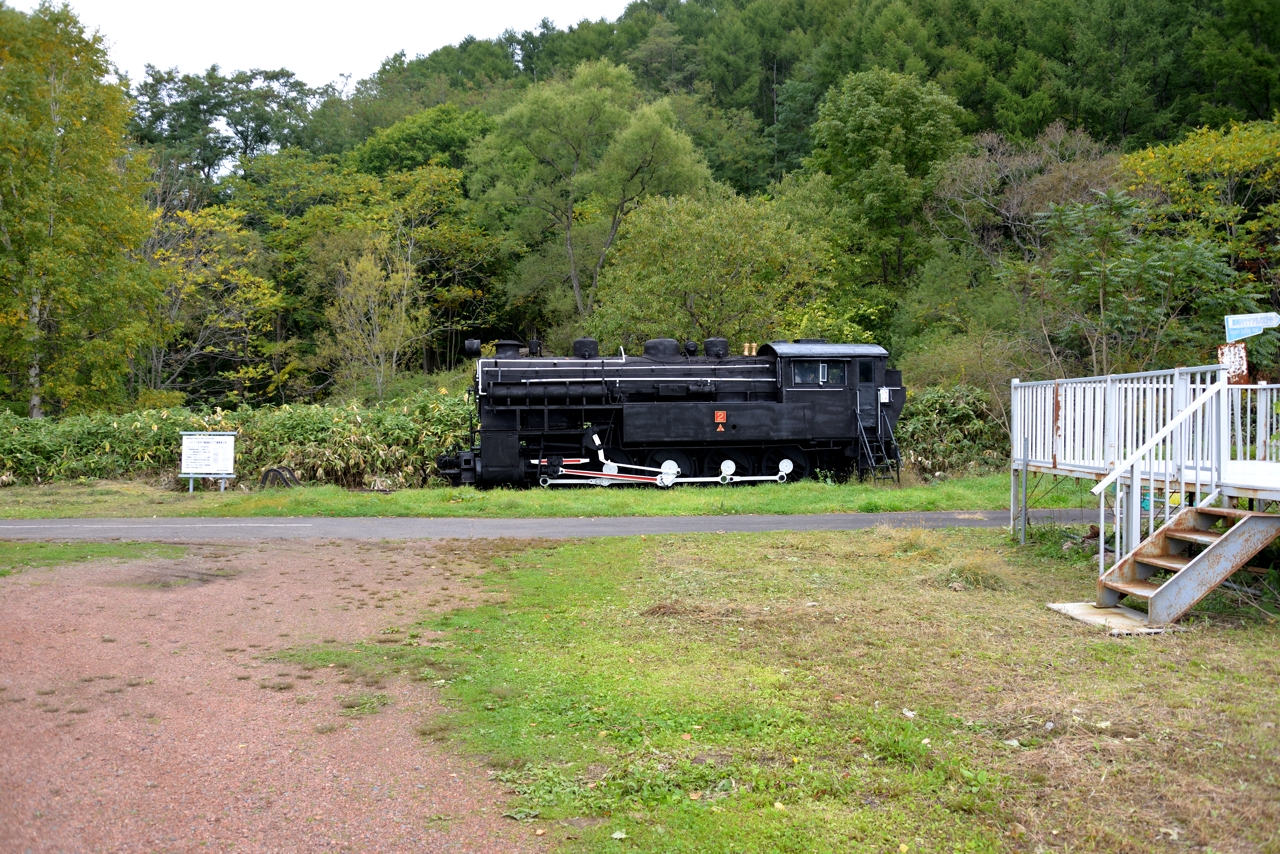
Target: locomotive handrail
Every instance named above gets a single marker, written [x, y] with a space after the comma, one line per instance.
[687, 379]
[683, 368]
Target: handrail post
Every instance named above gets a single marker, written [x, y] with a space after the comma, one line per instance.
[1111, 425]
[1181, 393]
[1102, 534]
[1015, 434]
[1026, 464]
[1224, 430]
[1132, 510]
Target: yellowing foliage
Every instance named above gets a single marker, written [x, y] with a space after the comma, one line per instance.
[1222, 185]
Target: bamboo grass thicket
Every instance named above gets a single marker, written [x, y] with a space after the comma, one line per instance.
[394, 444]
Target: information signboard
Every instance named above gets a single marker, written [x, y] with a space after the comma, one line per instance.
[1241, 326]
[208, 455]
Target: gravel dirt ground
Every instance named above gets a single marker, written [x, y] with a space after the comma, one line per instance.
[133, 717]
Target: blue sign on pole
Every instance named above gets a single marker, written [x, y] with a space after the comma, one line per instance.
[1241, 326]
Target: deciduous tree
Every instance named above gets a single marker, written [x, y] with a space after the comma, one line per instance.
[71, 210]
[879, 135]
[439, 136]
[212, 332]
[373, 321]
[579, 149]
[710, 266]
[1222, 185]
[1112, 295]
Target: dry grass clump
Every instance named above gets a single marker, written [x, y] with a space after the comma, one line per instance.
[971, 575]
[674, 609]
[435, 729]
[362, 704]
[275, 684]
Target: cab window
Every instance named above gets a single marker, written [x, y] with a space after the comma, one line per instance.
[865, 371]
[812, 372]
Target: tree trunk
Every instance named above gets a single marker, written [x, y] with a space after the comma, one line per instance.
[608, 243]
[573, 262]
[35, 408]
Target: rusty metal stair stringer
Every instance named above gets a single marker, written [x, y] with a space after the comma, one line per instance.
[1193, 576]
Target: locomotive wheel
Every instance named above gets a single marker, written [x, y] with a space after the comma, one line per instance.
[800, 465]
[741, 462]
[680, 458]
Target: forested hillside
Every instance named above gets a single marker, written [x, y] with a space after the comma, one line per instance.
[989, 188]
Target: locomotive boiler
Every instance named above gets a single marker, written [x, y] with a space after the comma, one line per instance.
[672, 414]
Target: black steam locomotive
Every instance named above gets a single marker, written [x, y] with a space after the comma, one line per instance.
[670, 415]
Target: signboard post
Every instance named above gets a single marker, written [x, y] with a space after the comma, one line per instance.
[208, 455]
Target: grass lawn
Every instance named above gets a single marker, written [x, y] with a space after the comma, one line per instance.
[880, 691]
[137, 499]
[16, 556]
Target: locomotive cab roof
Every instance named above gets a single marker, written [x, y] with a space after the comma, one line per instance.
[821, 350]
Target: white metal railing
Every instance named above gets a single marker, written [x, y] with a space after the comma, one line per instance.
[1184, 458]
[1155, 439]
[1087, 425]
[1255, 423]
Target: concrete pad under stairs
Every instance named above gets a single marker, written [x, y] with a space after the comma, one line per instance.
[1118, 620]
[1184, 560]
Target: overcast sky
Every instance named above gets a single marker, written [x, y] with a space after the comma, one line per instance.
[318, 40]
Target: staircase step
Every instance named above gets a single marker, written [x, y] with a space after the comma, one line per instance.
[1204, 538]
[1140, 589]
[1229, 512]
[1173, 563]
[1255, 570]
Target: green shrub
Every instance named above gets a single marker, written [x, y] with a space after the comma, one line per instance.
[150, 398]
[949, 430]
[394, 444]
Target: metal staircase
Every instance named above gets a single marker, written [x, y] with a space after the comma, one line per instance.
[1172, 484]
[1178, 454]
[881, 452]
[1185, 559]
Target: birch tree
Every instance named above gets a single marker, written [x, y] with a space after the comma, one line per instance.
[71, 209]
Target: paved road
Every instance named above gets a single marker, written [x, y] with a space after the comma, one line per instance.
[185, 530]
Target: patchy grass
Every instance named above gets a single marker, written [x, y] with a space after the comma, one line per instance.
[16, 556]
[362, 704]
[112, 499]
[824, 692]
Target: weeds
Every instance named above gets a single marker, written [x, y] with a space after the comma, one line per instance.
[971, 575]
[275, 684]
[395, 443]
[362, 704]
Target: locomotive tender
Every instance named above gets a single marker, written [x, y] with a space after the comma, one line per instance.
[672, 416]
